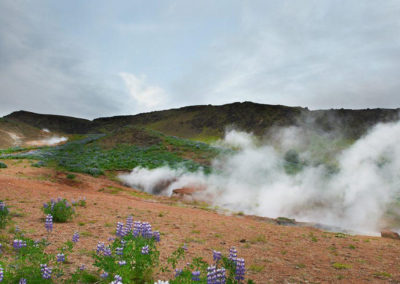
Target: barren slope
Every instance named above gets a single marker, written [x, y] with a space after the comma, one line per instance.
[273, 254]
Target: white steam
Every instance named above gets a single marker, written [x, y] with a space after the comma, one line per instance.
[50, 141]
[354, 195]
[54, 140]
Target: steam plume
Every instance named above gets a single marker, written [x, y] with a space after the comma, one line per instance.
[350, 188]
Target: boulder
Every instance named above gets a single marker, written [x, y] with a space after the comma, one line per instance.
[390, 235]
[188, 190]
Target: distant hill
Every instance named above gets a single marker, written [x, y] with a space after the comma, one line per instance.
[55, 123]
[208, 122]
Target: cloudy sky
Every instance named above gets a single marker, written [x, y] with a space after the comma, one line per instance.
[99, 58]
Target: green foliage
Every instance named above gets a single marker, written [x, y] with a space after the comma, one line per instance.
[71, 176]
[338, 265]
[2, 165]
[61, 210]
[87, 156]
[139, 267]
[27, 260]
[4, 214]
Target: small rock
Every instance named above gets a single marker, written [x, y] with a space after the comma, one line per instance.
[390, 235]
[242, 240]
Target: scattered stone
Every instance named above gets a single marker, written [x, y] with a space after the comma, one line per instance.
[390, 235]
[285, 221]
[242, 240]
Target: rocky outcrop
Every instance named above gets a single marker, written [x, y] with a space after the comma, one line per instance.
[390, 235]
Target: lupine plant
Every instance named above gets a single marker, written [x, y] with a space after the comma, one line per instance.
[131, 257]
[4, 214]
[60, 209]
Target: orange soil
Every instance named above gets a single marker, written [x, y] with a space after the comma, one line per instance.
[273, 254]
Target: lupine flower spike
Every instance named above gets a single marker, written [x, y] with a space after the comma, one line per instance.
[117, 280]
[49, 223]
[145, 250]
[75, 237]
[240, 269]
[46, 271]
[196, 275]
[60, 257]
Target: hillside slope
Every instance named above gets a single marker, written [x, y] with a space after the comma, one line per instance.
[206, 122]
[273, 253]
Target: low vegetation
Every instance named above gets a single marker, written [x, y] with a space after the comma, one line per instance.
[131, 256]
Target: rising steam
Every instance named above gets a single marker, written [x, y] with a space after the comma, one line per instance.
[349, 187]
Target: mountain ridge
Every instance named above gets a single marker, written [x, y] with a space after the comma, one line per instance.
[200, 122]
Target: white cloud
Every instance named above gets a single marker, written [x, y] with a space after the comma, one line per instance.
[145, 95]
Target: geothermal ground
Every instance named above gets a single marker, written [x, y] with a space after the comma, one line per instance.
[273, 253]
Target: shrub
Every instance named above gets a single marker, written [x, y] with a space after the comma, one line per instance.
[71, 176]
[2, 165]
[4, 213]
[61, 210]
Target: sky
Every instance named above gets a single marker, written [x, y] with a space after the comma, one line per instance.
[99, 58]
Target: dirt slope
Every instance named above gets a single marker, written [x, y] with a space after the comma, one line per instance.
[273, 254]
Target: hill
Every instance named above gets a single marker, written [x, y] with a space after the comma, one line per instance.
[208, 122]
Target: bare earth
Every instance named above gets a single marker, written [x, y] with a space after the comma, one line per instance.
[273, 254]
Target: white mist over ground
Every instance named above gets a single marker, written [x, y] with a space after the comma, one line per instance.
[354, 196]
[54, 140]
[50, 141]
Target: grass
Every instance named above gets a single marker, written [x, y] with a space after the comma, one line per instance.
[258, 239]
[339, 266]
[382, 275]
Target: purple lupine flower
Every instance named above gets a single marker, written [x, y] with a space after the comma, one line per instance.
[100, 247]
[216, 255]
[82, 267]
[123, 242]
[221, 275]
[117, 280]
[196, 275]
[240, 269]
[22, 281]
[107, 251]
[1, 274]
[120, 232]
[46, 271]
[156, 236]
[178, 272]
[211, 275]
[104, 275]
[185, 248]
[122, 262]
[111, 239]
[145, 249]
[17, 229]
[146, 230]
[137, 228]
[60, 257]
[17, 244]
[119, 251]
[129, 224]
[2, 205]
[49, 223]
[1, 248]
[45, 205]
[75, 237]
[232, 254]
